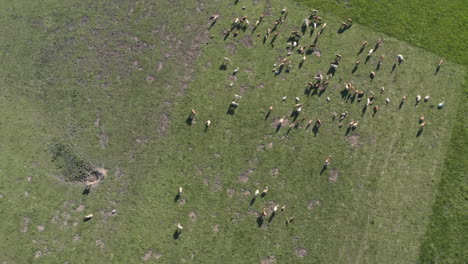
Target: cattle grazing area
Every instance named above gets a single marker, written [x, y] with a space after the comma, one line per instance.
[229, 131]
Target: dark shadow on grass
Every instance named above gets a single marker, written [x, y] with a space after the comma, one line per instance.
[278, 127]
[253, 201]
[271, 217]
[393, 67]
[211, 25]
[315, 130]
[176, 235]
[324, 168]
[347, 131]
[177, 197]
[361, 50]
[437, 70]
[231, 111]
[189, 120]
[86, 190]
[419, 132]
[367, 59]
[401, 105]
[355, 69]
[344, 93]
[267, 115]
[223, 67]
[86, 219]
[260, 221]
[363, 111]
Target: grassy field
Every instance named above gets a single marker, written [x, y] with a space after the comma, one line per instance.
[424, 23]
[112, 85]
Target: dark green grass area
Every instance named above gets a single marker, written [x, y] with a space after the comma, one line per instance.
[111, 85]
[438, 26]
[446, 239]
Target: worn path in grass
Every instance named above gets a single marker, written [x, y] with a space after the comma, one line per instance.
[383, 189]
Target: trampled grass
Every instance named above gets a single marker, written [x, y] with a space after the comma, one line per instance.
[117, 95]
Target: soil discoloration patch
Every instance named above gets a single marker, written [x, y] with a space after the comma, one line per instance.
[300, 252]
[312, 204]
[354, 140]
[247, 41]
[231, 192]
[274, 172]
[334, 173]
[103, 139]
[119, 172]
[244, 177]
[216, 228]
[243, 88]
[40, 228]
[149, 254]
[268, 260]
[80, 208]
[193, 216]
[100, 243]
[231, 48]
[76, 238]
[261, 147]
[25, 224]
[317, 53]
[276, 122]
[163, 124]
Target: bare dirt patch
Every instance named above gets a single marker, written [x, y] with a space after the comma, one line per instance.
[119, 172]
[231, 192]
[80, 208]
[312, 204]
[76, 238]
[268, 260]
[100, 243]
[243, 88]
[150, 78]
[231, 48]
[261, 85]
[150, 254]
[276, 122]
[25, 224]
[354, 140]
[40, 228]
[334, 173]
[193, 216]
[103, 139]
[247, 41]
[244, 177]
[274, 172]
[300, 252]
[216, 228]
[163, 124]
[261, 147]
[317, 53]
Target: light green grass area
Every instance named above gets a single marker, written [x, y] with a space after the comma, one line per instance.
[434, 25]
[113, 83]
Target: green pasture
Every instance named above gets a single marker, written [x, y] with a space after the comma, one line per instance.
[110, 84]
